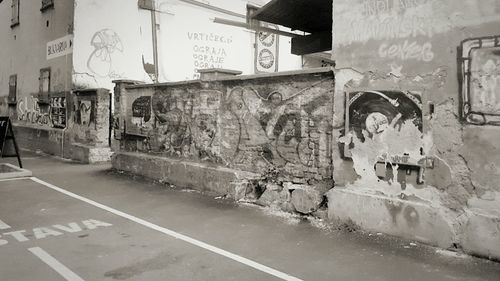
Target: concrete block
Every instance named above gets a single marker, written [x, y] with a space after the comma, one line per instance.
[271, 195]
[407, 219]
[481, 234]
[306, 199]
[33, 138]
[198, 176]
[88, 154]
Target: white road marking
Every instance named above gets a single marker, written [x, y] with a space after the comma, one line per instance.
[174, 234]
[55, 264]
[4, 225]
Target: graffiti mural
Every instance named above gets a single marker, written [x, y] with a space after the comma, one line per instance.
[84, 109]
[480, 61]
[257, 126]
[106, 42]
[186, 123]
[30, 111]
[58, 112]
[384, 130]
[280, 129]
[139, 120]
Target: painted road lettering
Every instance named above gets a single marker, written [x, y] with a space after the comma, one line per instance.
[3, 225]
[54, 230]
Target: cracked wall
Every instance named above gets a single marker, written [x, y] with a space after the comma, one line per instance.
[448, 52]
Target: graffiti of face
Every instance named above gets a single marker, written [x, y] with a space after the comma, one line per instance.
[276, 98]
[376, 123]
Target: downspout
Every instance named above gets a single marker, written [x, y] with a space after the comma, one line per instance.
[155, 40]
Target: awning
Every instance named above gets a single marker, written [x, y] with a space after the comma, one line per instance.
[305, 15]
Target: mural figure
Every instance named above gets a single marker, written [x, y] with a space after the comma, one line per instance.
[385, 127]
[105, 43]
[85, 112]
[280, 130]
[186, 124]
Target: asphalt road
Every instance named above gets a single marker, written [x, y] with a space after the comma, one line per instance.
[85, 222]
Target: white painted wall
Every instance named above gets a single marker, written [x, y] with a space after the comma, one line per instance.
[182, 49]
[112, 37]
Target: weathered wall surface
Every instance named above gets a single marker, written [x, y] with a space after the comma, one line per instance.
[418, 98]
[278, 126]
[251, 124]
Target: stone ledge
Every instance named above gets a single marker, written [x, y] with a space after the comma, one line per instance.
[89, 154]
[480, 236]
[198, 176]
[45, 139]
[407, 219]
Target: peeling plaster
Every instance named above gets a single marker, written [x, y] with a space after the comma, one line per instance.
[396, 140]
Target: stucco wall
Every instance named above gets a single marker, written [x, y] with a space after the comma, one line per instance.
[24, 52]
[449, 139]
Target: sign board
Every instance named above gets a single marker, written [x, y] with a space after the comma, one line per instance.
[4, 126]
[266, 51]
[60, 47]
[6, 133]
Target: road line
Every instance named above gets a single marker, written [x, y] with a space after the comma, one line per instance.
[3, 225]
[55, 264]
[174, 234]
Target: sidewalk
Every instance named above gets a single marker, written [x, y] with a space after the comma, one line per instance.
[137, 230]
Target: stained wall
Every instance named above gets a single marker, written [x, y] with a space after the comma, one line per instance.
[418, 100]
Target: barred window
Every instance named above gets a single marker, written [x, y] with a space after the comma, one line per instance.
[44, 80]
[12, 89]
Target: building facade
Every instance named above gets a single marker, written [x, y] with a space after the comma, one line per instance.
[418, 97]
[52, 48]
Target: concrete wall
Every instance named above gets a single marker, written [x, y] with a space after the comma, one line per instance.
[274, 125]
[417, 127]
[24, 52]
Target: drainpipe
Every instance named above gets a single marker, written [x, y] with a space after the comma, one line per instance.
[155, 40]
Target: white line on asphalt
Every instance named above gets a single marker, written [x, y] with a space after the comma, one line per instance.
[3, 225]
[174, 234]
[55, 264]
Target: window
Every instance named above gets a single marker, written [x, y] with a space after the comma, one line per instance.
[12, 99]
[481, 80]
[15, 13]
[44, 80]
[47, 4]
